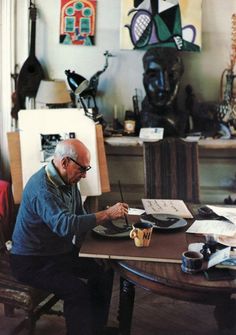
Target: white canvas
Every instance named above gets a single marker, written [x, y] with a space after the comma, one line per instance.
[33, 123]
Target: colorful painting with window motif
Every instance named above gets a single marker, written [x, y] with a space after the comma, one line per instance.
[161, 23]
[77, 22]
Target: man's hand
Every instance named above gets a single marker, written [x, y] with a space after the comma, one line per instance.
[117, 211]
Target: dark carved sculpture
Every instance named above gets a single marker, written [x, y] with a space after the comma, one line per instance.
[163, 69]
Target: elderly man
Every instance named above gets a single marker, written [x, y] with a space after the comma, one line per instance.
[43, 255]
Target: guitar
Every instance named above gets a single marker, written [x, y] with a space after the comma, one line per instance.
[31, 72]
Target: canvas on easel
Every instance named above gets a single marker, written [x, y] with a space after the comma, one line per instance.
[25, 147]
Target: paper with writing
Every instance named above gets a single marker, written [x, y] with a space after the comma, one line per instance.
[166, 206]
[216, 227]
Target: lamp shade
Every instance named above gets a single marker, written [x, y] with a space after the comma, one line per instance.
[53, 92]
[77, 83]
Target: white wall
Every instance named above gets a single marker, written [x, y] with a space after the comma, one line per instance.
[124, 74]
[203, 70]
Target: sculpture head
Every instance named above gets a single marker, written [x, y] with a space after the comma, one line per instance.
[163, 69]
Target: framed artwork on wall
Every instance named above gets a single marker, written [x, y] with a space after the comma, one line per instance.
[161, 23]
[77, 22]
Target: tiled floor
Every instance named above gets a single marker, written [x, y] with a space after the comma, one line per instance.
[152, 315]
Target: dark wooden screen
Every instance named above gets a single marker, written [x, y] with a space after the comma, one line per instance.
[171, 170]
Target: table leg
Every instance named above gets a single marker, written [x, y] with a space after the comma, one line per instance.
[225, 315]
[127, 294]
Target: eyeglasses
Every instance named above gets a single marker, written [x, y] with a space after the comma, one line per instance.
[83, 169]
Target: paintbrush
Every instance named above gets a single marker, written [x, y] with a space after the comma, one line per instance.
[122, 200]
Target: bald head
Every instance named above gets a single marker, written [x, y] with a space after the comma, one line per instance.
[75, 149]
[70, 148]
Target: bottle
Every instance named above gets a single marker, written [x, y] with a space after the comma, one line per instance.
[136, 112]
[117, 126]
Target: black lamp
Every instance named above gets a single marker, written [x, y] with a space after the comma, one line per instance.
[79, 86]
[77, 83]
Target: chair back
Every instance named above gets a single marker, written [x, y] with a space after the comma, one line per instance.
[171, 170]
[14, 294]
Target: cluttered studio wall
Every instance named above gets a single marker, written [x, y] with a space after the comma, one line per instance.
[123, 77]
[125, 70]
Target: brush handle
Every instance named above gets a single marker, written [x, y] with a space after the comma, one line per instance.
[122, 200]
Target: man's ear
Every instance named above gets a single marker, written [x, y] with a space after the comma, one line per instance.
[64, 162]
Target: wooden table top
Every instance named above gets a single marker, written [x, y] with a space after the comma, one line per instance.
[167, 279]
[157, 267]
[161, 274]
[170, 274]
[164, 247]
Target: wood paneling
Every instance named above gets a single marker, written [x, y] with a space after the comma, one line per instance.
[102, 160]
[15, 164]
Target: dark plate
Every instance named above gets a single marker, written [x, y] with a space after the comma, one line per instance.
[113, 229]
[164, 221]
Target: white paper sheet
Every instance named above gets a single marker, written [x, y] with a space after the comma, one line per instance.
[135, 211]
[216, 227]
[151, 134]
[166, 206]
[218, 257]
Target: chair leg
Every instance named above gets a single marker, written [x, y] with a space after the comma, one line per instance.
[31, 317]
[8, 310]
[30, 324]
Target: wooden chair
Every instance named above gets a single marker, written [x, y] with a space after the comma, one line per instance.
[171, 170]
[12, 293]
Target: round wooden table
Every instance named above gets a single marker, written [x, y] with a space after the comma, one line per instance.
[168, 279]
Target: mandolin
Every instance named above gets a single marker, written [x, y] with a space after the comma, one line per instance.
[31, 72]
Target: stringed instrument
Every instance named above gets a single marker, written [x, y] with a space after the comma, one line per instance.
[31, 72]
